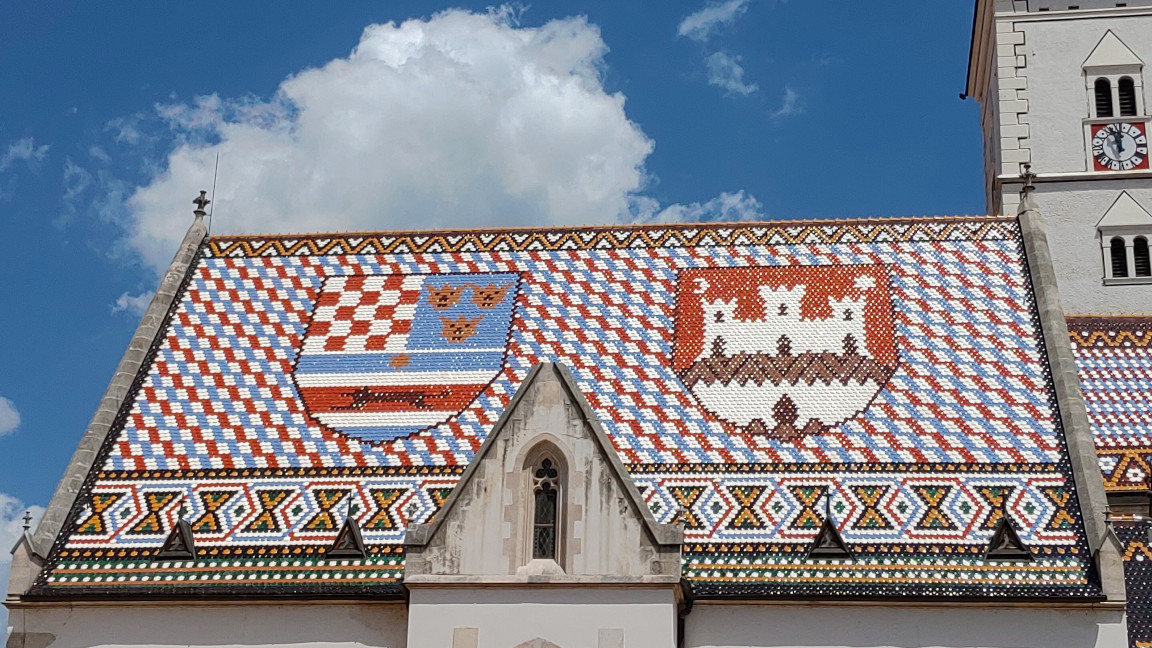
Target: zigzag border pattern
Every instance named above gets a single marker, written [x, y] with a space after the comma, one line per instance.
[889, 508]
[1110, 331]
[1125, 470]
[811, 232]
[1114, 363]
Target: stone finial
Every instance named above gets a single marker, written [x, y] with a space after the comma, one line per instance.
[1028, 176]
[27, 520]
[201, 202]
[1027, 203]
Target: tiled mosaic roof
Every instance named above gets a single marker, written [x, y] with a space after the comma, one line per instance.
[1133, 535]
[890, 372]
[1114, 360]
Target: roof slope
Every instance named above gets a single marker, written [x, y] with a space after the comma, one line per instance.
[1114, 359]
[755, 377]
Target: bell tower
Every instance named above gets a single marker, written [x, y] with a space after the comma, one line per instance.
[1062, 87]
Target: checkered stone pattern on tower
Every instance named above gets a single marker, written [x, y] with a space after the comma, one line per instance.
[754, 380]
[1114, 361]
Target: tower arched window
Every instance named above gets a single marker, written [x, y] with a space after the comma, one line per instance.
[1119, 258]
[1126, 91]
[545, 513]
[1103, 98]
[1140, 257]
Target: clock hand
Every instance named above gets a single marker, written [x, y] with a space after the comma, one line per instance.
[1119, 136]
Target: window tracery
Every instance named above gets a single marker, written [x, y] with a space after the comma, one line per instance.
[545, 510]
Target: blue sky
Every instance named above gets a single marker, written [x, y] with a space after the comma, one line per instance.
[566, 112]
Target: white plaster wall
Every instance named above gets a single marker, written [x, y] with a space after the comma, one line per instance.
[754, 626]
[225, 626]
[1071, 211]
[1062, 5]
[1055, 51]
[568, 617]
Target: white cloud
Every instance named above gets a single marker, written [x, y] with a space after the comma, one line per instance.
[126, 131]
[460, 120]
[790, 105]
[737, 206]
[699, 26]
[11, 528]
[725, 71]
[132, 304]
[97, 194]
[99, 154]
[23, 149]
[9, 417]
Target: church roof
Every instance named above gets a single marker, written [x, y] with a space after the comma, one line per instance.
[753, 378]
[1114, 360]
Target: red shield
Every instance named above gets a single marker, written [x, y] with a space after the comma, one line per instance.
[786, 351]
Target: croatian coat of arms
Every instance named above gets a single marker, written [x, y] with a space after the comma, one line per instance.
[786, 352]
[386, 356]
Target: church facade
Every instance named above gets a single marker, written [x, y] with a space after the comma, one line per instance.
[914, 432]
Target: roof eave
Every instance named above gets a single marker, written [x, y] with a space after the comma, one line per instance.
[134, 361]
[981, 24]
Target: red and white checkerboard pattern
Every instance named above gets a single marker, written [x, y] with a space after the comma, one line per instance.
[358, 314]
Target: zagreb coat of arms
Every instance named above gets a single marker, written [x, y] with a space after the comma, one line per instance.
[785, 352]
[386, 356]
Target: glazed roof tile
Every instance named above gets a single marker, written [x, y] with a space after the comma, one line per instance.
[752, 376]
[1114, 361]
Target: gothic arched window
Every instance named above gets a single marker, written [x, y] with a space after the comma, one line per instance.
[545, 510]
[1127, 94]
[1140, 256]
[1103, 98]
[1119, 258]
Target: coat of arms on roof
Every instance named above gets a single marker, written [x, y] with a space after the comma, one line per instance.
[386, 356]
[787, 352]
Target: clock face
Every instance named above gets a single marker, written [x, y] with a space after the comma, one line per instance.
[1120, 147]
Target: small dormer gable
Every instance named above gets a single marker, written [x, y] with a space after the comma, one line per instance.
[546, 498]
[1112, 52]
[1125, 231]
[1125, 212]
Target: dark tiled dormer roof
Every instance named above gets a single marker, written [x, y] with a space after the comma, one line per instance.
[753, 378]
[1114, 360]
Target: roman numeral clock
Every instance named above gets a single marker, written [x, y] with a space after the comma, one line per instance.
[1120, 146]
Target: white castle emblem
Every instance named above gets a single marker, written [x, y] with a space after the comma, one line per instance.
[780, 372]
[781, 330]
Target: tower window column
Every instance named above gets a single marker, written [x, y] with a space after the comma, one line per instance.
[1103, 98]
[1140, 259]
[1119, 257]
[1126, 92]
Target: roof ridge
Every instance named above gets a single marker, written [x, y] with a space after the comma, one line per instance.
[810, 222]
[1109, 316]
